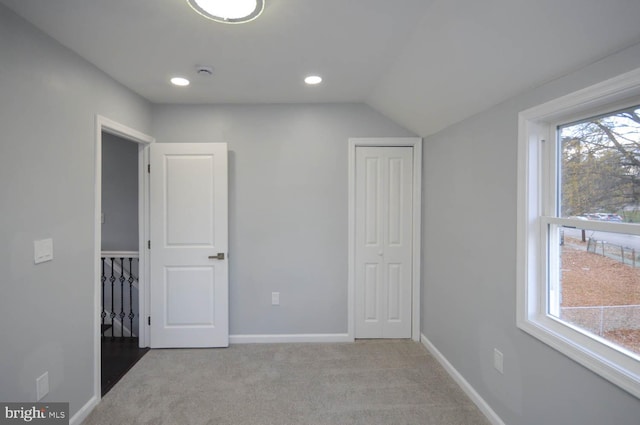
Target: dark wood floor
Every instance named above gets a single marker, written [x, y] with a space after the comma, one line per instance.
[118, 356]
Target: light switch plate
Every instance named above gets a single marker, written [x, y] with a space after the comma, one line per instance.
[42, 250]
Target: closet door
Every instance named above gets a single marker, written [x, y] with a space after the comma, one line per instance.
[384, 205]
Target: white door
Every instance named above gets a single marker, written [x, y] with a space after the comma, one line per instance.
[188, 257]
[383, 241]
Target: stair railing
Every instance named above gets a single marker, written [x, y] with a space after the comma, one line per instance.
[119, 282]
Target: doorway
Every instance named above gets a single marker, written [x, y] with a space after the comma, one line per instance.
[120, 313]
[121, 260]
[384, 237]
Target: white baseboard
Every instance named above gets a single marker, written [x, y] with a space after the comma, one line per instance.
[466, 387]
[272, 339]
[82, 414]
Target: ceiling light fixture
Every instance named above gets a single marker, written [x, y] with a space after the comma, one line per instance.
[179, 81]
[228, 11]
[313, 80]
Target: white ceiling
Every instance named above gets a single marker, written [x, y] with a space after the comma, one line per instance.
[424, 63]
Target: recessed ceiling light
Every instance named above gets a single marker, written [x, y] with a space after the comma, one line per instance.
[313, 79]
[228, 11]
[179, 81]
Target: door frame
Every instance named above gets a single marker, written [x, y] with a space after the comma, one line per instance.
[416, 144]
[106, 125]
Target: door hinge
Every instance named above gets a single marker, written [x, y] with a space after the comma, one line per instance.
[149, 168]
[149, 244]
[149, 320]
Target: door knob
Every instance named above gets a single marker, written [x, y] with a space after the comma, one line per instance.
[220, 256]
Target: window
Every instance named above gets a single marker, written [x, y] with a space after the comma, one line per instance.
[579, 227]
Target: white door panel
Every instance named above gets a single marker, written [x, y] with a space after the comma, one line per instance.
[371, 292]
[384, 190]
[193, 287]
[189, 206]
[189, 290]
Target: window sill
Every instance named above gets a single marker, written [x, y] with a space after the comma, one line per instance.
[590, 353]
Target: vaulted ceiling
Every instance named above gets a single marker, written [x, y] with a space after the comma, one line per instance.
[424, 63]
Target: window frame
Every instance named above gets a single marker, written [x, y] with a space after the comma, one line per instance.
[537, 222]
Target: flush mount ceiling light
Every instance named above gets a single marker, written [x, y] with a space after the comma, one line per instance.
[228, 11]
[313, 80]
[179, 81]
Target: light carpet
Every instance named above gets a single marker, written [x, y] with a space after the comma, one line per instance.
[390, 382]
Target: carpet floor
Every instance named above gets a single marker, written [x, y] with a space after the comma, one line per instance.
[386, 382]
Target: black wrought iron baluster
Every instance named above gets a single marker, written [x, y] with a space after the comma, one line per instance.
[112, 279]
[103, 279]
[121, 315]
[131, 314]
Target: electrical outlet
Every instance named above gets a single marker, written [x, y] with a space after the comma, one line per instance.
[275, 298]
[498, 359]
[42, 386]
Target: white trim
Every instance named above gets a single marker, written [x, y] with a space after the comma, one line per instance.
[103, 124]
[288, 338]
[600, 226]
[351, 243]
[484, 407]
[535, 181]
[591, 98]
[120, 254]
[144, 232]
[416, 144]
[84, 411]
[113, 127]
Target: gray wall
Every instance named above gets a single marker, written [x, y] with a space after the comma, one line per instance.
[288, 221]
[49, 99]
[287, 206]
[119, 194]
[469, 299]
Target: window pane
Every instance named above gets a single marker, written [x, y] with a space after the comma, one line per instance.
[598, 287]
[600, 167]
